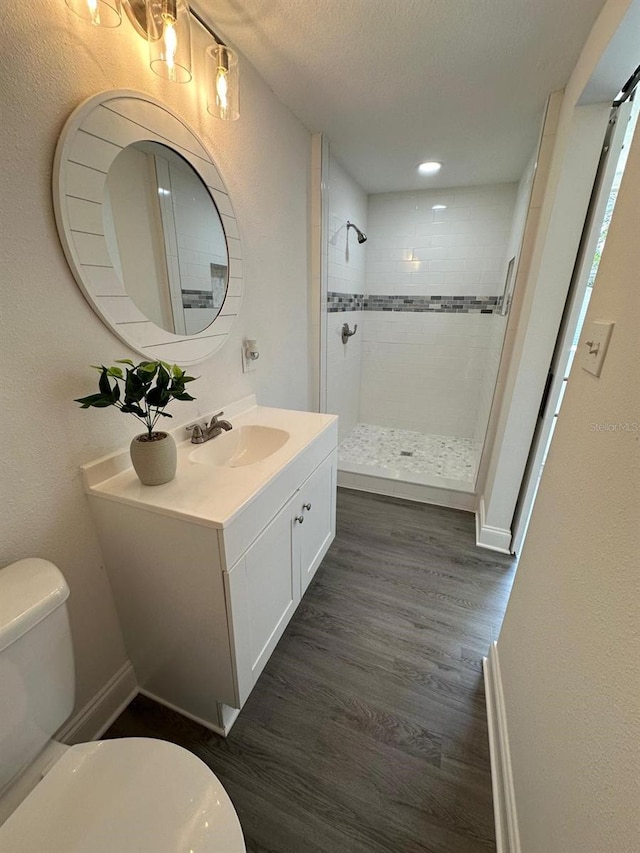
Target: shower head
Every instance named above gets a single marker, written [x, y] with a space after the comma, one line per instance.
[362, 238]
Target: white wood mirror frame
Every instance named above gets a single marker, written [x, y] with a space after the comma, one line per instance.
[93, 136]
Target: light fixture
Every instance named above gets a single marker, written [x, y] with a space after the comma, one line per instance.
[169, 36]
[439, 207]
[166, 24]
[137, 13]
[100, 13]
[430, 167]
[222, 82]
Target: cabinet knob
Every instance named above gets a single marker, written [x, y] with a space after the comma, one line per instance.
[299, 519]
[306, 506]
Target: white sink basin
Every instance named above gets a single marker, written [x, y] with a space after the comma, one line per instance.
[245, 445]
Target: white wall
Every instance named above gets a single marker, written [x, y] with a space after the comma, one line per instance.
[50, 62]
[492, 352]
[497, 343]
[346, 274]
[521, 209]
[435, 372]
[541, 307]
[569, 648]
[558, 208]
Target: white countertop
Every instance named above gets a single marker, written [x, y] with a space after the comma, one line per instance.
[204, 493]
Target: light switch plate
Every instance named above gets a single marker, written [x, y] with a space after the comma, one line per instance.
[594, 342]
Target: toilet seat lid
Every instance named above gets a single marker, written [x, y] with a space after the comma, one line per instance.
[126, 794]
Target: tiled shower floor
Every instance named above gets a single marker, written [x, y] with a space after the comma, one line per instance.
[405, 453]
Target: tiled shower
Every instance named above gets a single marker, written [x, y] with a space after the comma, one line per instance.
[414, 386]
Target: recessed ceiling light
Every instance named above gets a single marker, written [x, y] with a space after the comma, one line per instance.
[430, 167]
[439, 207]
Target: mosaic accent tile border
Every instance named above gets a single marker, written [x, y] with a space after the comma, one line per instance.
[344, 302]
[437, 304]
[337, 302]
[197, 299]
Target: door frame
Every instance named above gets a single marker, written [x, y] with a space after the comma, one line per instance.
[560, 361]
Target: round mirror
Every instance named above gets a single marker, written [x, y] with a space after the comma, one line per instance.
[165, 238]
[147, 226]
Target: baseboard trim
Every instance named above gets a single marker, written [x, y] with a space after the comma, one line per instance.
[504, 802]
[223, 729]
[491, 538]
[92, 721]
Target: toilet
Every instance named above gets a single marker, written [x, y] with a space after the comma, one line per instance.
[129, 794]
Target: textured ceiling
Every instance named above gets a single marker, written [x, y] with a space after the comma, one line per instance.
[395, 82]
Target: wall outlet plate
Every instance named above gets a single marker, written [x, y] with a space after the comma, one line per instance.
[596, 337]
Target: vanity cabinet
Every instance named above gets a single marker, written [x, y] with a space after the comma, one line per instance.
[265, 586]
[315, 522]
[203, 602]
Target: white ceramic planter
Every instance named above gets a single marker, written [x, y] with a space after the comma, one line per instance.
[154, 461]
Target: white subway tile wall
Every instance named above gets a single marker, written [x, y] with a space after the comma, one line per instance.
[456, 251]
[422, 360]
[424, 371]
[200, 241]
[346, 274]
[346, 257]
[344, 369]
[194, 246]
[495, 341]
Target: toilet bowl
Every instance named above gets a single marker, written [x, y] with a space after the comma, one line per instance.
[128, 794]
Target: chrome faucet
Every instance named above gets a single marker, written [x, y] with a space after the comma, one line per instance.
[201, 433]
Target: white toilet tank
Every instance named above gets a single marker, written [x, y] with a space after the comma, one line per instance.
[36, 662]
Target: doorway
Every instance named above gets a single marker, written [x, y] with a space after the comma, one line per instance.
[622, 124]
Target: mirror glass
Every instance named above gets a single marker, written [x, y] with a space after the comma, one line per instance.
[165, 238]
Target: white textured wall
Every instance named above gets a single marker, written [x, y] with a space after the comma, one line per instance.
[49, 63]
[569, 646]
[346, 274]
[435, 372]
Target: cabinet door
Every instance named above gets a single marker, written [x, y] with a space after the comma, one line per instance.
[263, 590]
[316, 505]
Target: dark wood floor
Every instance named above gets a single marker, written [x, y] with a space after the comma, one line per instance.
[366, 731]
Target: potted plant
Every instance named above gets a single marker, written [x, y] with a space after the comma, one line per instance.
[144, 390]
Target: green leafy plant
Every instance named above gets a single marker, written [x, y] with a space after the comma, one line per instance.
[142, 390]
